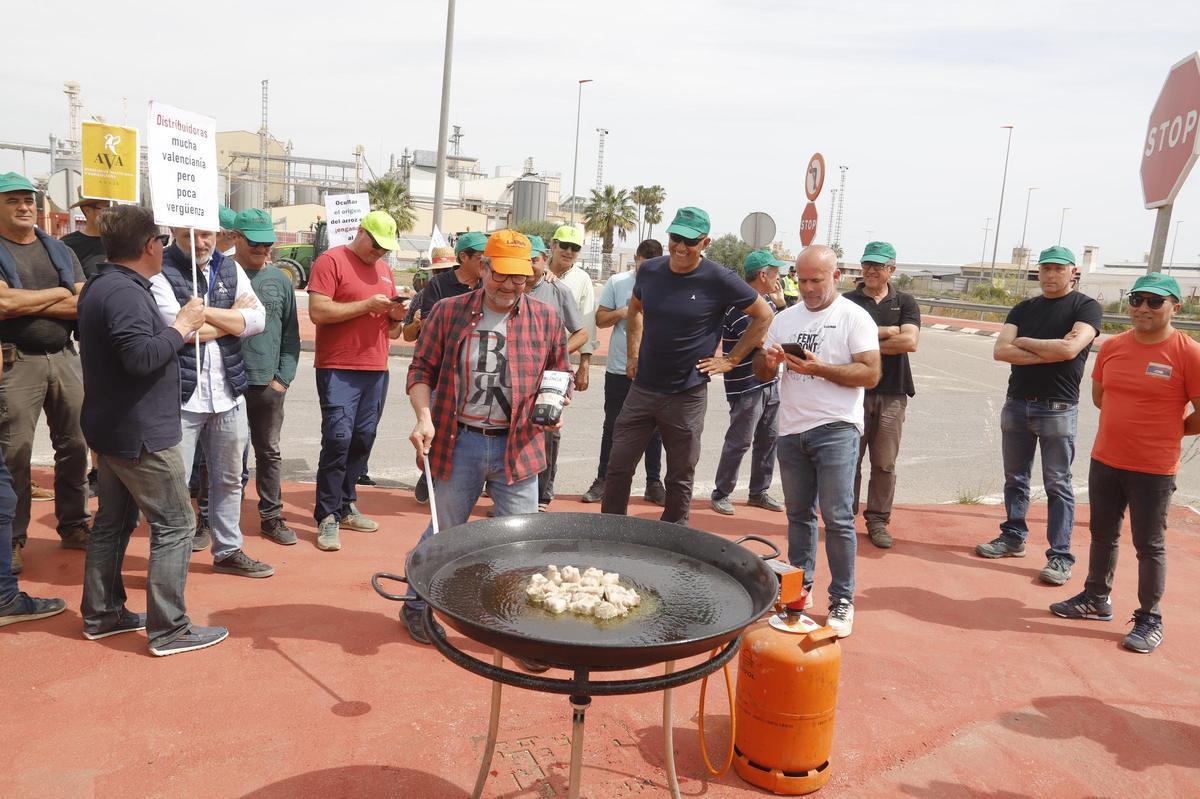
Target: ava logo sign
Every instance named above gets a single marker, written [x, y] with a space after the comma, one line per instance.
[1172, 143]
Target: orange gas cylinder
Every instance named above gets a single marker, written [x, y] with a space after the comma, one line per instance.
[786, 698]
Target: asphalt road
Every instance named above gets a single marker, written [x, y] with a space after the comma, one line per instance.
[950, 452]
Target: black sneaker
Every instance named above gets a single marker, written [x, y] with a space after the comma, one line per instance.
[999, 548]
[24, 607]
[365, 480]
[242, 565]
[595, 493]
[195, 638]
[1084, 606]
[1057, 571]
[414, 620]
[202, 540]
[128, 623]
[421, 490]
[278, 531]
[656, 494]
[1147, 633]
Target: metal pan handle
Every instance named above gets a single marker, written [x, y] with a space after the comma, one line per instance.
[774, 549]
[377, 576]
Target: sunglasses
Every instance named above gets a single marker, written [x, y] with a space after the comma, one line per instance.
[258, 245]
[1155, 302]
[677, 239]
[162, 238]
[566, 245]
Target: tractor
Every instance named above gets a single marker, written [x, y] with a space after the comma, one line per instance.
[296, 260]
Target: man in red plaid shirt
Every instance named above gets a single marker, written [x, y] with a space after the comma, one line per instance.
[473, 382]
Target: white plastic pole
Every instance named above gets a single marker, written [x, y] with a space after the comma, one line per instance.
[195, 290]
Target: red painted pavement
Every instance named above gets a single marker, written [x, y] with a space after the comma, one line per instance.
[957, 681]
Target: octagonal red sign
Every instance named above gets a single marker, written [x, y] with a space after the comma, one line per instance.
[808, 224]
[1172, 142]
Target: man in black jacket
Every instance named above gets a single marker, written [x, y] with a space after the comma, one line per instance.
[131, 418]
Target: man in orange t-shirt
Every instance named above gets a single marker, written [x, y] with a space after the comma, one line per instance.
[352, 302]
[1142, 383]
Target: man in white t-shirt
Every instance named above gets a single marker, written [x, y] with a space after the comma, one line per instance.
[832, 354]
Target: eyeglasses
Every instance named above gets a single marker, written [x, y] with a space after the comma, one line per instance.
[374, 244]
[677, 239]
[568, 246]
[874, 267]
[516, 280]
[162, 238]
[1155, 302]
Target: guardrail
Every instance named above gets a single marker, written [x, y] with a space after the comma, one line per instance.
[981, 309]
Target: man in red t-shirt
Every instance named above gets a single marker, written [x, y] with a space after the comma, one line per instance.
[352, 301]
[1142, 383]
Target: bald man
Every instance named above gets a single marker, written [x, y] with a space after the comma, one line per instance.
[829, 348]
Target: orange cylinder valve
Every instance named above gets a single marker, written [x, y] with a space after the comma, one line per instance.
[786, 699]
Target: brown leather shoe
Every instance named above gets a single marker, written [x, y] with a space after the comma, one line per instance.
[77, 537]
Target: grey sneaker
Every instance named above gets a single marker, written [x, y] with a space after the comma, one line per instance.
[1084, 606]
[24, 607]
[202, 540]
[880, 536]
[327, 534]
[721, 505]
[195, 638]
[656, 494]
[242, 565]
[1057, 571]
[595, 493]
[128, 623]
[766, 502]
[1147, 633]
[999, 548]
[841, 617]
[277, 530]
[357, 522]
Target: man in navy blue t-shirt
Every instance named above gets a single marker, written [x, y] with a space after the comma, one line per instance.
[674, 329]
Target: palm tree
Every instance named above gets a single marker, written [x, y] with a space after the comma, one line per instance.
[609, 213]
[655, 197]
[391, 195]
[641, 196]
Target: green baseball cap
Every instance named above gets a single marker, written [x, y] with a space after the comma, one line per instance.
[382, 228]
[226, 217]
[691, 223]
[878, 252]
[1158, 283]
[569, 234]
[471, 240]
[11, 181]
[537, 245]
[759, 260]
[1057, 255]
[255, 224]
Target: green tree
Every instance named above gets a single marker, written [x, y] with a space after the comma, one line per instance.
[642, 196]
[391, 195]
[544, 228]
[610, 213]
[653, 214]
[729, 251]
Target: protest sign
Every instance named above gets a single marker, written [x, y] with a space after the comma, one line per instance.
[343, 214]
[110, 162]
[182, 155]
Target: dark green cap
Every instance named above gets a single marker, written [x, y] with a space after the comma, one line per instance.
[878, 252]
[255, 224]
[226, 217]
[691, 223]
[759, 260]
[538, 245]
[1057, 255]
[12, 181]
[1158, 283]
[471, 240]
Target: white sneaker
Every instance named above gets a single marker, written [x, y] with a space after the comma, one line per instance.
[841, 617]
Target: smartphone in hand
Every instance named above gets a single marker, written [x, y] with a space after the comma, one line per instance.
[794, 349]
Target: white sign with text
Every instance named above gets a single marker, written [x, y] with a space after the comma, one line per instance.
[182, 156]
[344, 213]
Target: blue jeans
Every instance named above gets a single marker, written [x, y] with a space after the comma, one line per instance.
[753, 419]
[1026, 425]
[222, 437]
[817, 467]
[156, 484]
[351, 405]
[8, 508]
[478, 460]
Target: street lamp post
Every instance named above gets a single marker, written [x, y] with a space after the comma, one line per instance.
[1062, 222]
[1025, 225]
[1000, 212]
[1171, 262]
[575, 167]
[987, 228]
[439, 180]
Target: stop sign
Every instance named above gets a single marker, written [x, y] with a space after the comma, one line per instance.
[808, 224]
[1172, 142]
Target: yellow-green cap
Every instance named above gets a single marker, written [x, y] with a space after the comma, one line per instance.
[382, 228]
[569, 234]
[255, 224]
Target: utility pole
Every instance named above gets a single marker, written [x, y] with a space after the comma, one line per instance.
[1174, 241]
[837, 225]
[1025, 224]
[439, 181]
[594, 255]
[832, 213]
[262, 146]
[1062, 222]
[575, 166]
[1000, 212]
[987, 228]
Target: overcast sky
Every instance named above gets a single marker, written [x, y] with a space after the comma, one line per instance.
[722, 103]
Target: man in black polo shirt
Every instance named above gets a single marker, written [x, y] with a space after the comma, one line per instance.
[682, 298]
[1046, 339]
[899, 319]
[131, 417]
